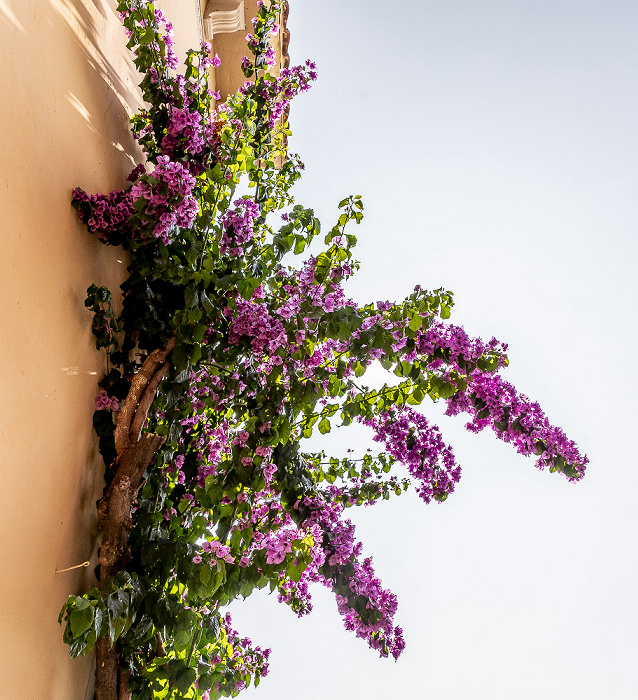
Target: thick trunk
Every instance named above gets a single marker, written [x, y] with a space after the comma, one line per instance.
[135, 453]
[106, 670]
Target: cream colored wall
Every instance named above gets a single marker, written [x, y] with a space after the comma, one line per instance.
[67, 87]
[183, 15]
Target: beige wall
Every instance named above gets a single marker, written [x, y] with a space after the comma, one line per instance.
[66, 87]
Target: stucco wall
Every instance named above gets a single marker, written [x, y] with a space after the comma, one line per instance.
[67, 87]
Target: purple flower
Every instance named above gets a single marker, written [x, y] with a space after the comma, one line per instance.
[104, 402]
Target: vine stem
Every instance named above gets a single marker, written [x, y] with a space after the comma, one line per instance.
[195, 642]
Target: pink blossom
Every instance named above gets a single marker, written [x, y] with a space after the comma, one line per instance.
[104, 402]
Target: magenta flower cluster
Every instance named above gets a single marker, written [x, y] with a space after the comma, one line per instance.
[410, 438]
[190, 137]
[167, 198]
[451, 345]
[382, 635]
[104, 402]
[154, 207]
[254, 321]
[335, 557]
[106, 215]
[184, 128]
[493, 402]
[238, 227]
[279, 91]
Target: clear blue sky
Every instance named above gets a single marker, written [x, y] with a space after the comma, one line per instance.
[495, 145]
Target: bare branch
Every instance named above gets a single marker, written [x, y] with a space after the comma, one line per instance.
[145, 402]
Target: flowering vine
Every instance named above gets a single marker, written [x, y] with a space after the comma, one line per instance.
[226, 356]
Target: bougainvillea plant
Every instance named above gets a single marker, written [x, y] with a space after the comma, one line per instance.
[225, 358]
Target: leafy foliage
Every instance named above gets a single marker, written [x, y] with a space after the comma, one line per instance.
[265, 355]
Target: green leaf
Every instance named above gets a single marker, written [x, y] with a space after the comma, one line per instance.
[300, 244]
[208, 305]
[205, 682]
[81, 617]
[77, 647]
[199, 333]
[185, 679]
[295, 572]
[447, 389]
[308, 425]
[191, 297]
[205, 575]
[180, 358]
[417, 395]
[147, 38]
[247, 286]
[345, 332]
[182, 638]
[324, 426]
[97, 621]
[415, 322]
[246, 589]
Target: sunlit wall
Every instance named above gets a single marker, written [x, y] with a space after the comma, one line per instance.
[68, 88]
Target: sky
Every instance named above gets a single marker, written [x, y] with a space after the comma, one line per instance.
[495, 146]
